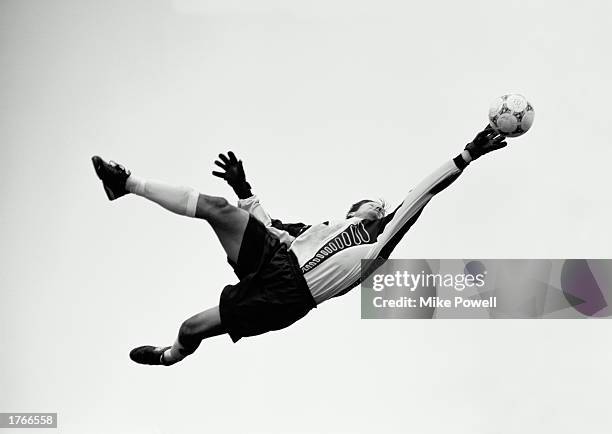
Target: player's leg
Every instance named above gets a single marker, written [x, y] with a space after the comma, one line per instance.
[203, 325]
[227, 221]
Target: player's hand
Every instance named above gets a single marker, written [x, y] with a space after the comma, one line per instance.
[233, 173]
[485, 141]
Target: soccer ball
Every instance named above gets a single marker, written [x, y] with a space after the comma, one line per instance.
[511, 115]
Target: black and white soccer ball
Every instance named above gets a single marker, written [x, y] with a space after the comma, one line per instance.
[511, 115]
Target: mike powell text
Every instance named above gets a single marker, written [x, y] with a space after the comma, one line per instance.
[434, 301]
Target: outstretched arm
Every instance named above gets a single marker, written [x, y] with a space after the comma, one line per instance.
[396, 224]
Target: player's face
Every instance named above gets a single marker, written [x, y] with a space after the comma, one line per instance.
[370, 211]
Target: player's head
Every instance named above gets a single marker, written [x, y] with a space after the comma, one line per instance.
[367, 209]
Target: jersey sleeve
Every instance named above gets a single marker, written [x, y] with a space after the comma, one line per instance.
[253, 206]
[285, 232]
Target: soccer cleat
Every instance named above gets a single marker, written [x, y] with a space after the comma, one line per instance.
[148, 355]
[113, 177]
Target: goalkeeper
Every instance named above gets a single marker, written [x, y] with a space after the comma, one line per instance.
[284, 270]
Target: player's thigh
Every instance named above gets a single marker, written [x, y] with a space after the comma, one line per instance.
[227, 221]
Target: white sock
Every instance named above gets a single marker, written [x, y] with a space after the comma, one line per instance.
[174, 354]
[135, 185]
[178, 199]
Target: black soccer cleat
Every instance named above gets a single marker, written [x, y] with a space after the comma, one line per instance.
[148, 355]
[113, 177]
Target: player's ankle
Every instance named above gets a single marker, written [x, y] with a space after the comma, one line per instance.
[135, 185]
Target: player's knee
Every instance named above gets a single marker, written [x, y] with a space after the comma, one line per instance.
[195, 326]
[212, 207]
[218, 203]
[188, 329]
[188, 337]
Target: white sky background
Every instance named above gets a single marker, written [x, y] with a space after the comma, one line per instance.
[327, 102]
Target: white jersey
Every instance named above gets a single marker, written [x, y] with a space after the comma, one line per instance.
[330, 253]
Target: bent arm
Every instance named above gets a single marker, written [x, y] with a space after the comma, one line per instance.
[253, 206]
[233, 174]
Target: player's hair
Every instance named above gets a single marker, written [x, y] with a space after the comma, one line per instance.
[354, 207]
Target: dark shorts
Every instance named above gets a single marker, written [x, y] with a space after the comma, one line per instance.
[272, 293]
